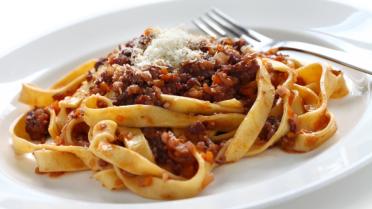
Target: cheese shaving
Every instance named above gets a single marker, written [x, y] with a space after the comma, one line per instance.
[169, 48]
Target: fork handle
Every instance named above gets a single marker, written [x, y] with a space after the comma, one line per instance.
[360, 62]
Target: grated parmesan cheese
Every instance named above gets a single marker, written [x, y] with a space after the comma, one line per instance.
[169, 48]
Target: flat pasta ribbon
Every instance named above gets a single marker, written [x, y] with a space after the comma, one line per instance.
[286, 108]
[152, 116]
[250, 127]
[318, 124]
[35, 96]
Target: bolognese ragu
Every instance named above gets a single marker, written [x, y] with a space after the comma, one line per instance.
[160, 111]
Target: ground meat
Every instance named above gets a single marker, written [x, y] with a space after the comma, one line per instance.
[271, 125]
[197, 128]
[278, 78]
[179, 149]
[121, 59]
[275, 55]
[159, 151]
[106, 76]
[293, 126]
[174, 154]
[59, 96]
[239, 43]
[197, 134]
[100, 62]
[101, 104]
[132, 95]
[80, 134]
[37, 122]
[89, 76]
[287, 143]
[210, 78]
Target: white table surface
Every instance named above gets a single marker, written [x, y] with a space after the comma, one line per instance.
[24, 21]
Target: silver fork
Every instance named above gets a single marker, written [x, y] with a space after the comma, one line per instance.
[216, 23]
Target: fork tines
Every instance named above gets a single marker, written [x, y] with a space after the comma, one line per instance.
[218, 24]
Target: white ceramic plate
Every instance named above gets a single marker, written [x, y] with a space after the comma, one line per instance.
[252, 182]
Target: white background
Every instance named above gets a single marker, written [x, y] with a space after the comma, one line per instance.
[24, 21]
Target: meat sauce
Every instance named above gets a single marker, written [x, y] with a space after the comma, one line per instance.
[225, 71]
[209, 78]
[171, 152]
[37, 122]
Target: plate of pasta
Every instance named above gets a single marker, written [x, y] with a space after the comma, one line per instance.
[164, 116]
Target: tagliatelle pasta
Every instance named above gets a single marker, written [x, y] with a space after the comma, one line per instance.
[160, 112]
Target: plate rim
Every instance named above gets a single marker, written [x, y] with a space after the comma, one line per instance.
[272, 201]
